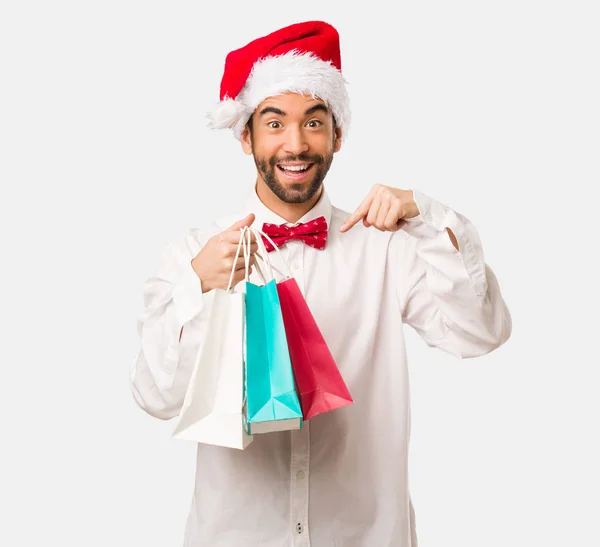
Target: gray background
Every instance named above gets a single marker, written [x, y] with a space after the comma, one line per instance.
[489, 107]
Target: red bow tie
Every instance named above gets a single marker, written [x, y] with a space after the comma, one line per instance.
[313, 233]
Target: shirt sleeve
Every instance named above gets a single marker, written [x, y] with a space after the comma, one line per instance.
[450, 297]
[172, 299]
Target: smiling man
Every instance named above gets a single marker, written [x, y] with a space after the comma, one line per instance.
[302, 173]
[401, 258]
[293, 138]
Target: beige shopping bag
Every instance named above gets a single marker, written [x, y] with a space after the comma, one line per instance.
[212, 410]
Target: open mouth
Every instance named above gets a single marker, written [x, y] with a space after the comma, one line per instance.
[295, 172]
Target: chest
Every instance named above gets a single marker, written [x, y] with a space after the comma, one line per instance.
[343, 286]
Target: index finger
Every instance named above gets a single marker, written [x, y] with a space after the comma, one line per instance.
[360, 212]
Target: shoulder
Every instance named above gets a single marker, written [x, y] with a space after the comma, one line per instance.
[196, 237]
[186, 245]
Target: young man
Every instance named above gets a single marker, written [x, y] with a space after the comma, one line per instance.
[400, 258]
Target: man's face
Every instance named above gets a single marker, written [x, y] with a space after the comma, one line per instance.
[293, 140]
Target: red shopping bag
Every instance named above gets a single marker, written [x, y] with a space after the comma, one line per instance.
[320, 385]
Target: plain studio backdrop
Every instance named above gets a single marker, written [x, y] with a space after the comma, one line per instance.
[489, 107]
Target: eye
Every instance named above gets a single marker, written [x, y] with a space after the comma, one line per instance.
[314, 123]
[274, 124]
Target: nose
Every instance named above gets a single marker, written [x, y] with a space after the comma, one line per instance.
[295, 141]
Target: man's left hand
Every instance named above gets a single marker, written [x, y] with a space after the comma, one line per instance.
[385, 208]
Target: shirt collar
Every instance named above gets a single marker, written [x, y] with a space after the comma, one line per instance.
[263, 214]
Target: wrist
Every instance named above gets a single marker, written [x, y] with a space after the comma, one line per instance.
[412, 209]
[204, 284]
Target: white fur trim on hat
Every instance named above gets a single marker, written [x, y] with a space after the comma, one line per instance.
[293, 72]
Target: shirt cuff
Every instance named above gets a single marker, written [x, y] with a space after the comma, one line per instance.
[188, 302]
[431, 223]
[433, 218]
[188, 298]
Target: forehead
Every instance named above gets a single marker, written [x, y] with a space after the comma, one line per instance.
[290, 102]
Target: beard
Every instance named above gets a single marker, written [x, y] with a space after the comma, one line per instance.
[295, 192]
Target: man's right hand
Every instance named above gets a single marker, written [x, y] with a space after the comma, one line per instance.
[214, 262]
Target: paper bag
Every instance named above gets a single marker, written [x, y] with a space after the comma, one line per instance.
[212, 410]
[271, 400]
[320, 385]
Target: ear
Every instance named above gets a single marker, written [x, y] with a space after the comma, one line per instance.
[337, 139]
[246, 140]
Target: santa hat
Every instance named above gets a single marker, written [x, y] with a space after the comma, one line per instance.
[301, 58]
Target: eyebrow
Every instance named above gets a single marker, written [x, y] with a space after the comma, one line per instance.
[317, 108]
[279, 112]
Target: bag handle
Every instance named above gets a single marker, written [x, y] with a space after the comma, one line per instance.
[244, 245]
[265, 257]
[262, 249]
[247, 245]
[237, 255]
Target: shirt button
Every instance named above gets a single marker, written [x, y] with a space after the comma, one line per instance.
[428, 217]
[295, 266]
[299, 528]
[300, 474]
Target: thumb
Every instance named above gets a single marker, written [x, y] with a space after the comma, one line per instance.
[247, 221]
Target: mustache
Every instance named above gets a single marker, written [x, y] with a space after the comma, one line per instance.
[306, 158]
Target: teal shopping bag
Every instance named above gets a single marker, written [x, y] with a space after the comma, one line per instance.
[272, 403]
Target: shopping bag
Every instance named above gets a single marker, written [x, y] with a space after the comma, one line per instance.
[320, 385]
[212, 410]
[271, 400]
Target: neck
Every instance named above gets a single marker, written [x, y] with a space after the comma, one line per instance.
[291, 212]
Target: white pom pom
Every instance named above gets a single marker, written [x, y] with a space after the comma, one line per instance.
[226, 114]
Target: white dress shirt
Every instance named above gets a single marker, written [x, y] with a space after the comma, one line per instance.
[342, 480]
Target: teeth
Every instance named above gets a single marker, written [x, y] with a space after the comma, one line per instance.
[295, 167]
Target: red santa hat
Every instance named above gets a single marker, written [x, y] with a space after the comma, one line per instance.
[301, 58]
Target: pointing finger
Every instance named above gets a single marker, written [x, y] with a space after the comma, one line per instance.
[360, 212]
